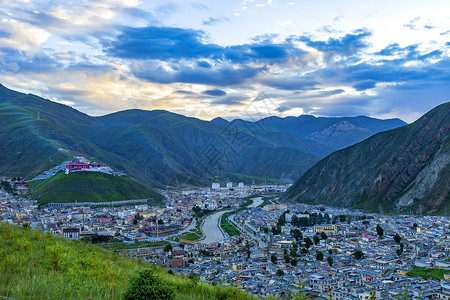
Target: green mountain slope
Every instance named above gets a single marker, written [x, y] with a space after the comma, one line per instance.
[157, 148]
[34, 265]
[404, 168]
[90, 187]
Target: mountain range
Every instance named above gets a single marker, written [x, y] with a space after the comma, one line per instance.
[160, 148]
[404, 169]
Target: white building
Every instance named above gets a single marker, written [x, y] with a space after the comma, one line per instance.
[215, 185]
[229, 185]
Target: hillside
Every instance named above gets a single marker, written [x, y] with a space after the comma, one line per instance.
[90, 187]
[404, 168]
[160, 148]
[34, 265]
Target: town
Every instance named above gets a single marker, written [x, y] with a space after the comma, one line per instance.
[244, 237]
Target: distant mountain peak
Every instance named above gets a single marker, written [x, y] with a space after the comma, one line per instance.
[219, 121]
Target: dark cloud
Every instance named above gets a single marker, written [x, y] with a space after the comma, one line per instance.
[364, 85]
[290, 83]
[162, 43]
[203, 64]
[185, 92]
[171, 43]
[222, 76]
[346, 45]
[215, 93]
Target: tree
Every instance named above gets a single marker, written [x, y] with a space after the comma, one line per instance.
[330, 251]
[304, 251]
[282, 219]
[323, 235]
[168, 248]
[160, 222]
[415, 225]
[335, 250]
[135, 221]
[292, 252]
[399, 251]
[316, 239]
[294, 262]
[397, 238]
[273, 259]
[358, 254]
[319, 255]
[280, 272]
[148, 286]
[308, 242]
[287, 258]
[380, 230]
[295, 246]
[297, 234]
[330, 260]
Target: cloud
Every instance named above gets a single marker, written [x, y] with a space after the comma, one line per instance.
[347, 45]
[231, 100]
[364, 85]
[172, 43]
[213, 21]
[289, 83]
[162, 43]
[203, 64]
[225, 75]
[215, 93]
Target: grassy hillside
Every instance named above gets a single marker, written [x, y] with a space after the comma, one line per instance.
[89, 187]
[34, 265]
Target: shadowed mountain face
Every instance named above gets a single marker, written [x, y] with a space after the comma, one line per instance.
[161, 148]
[400, 169]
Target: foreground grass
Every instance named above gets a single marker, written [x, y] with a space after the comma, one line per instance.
[428, 272]
[37, 265]
[135, 245]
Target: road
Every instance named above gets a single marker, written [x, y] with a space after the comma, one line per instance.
[211, 228]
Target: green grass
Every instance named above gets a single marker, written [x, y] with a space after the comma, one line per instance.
[89, 187]
[227, 226]
[428, 272]
[37, 265]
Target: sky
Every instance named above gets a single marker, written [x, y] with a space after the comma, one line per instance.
[234, 59]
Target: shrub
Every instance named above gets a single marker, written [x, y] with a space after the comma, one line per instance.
[148, 286]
